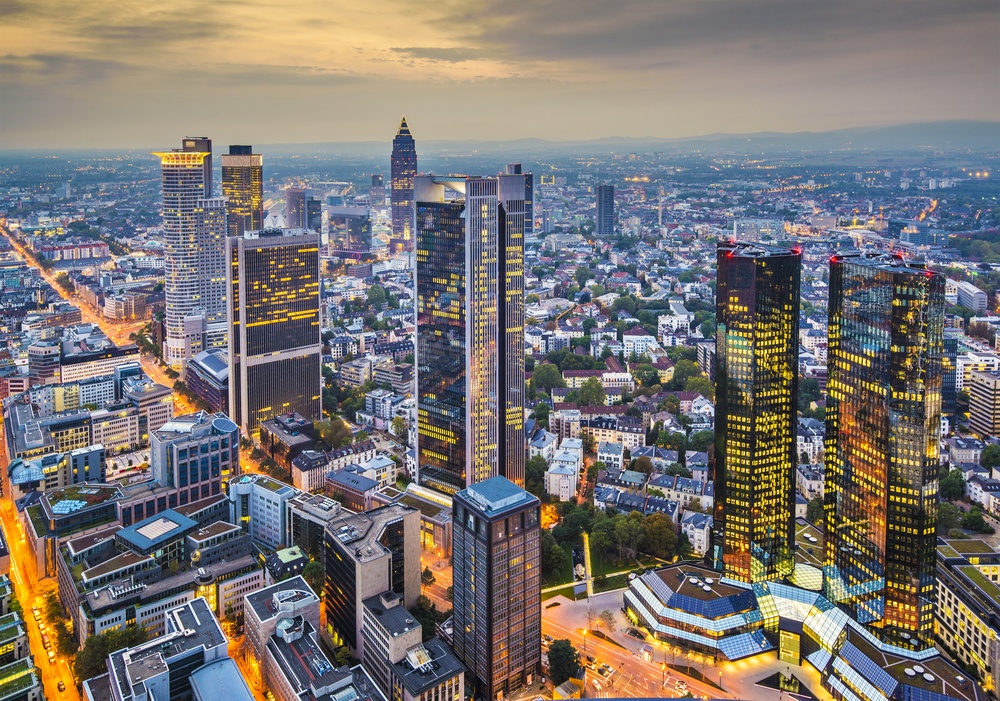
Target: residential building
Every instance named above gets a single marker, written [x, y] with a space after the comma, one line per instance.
[611, 454]
[757, 312]
[497, 627]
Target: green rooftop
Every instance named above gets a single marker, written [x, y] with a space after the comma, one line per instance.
[971, 547]
[977, 578]
[948, 551]
[17, 677]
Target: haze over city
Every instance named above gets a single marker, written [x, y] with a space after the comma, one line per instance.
[127, 74]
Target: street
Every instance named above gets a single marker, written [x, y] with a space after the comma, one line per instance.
[437, 592]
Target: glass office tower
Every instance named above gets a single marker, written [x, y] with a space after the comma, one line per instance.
[757, 310]
[403, 169]
[470, 329]
[275, 348]
[243, 188]
[883, 427]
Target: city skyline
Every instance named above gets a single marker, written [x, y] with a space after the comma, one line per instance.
[446, 66]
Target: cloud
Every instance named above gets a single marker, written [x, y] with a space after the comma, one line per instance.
[55, 67]
[447, 55]
[12, 7]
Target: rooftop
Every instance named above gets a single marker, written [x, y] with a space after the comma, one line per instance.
[280, 598]
[496, 495]
[390, 613]
[155, 530]
[360, 533]
[426, 666]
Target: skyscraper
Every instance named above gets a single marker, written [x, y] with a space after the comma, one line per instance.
[529, 197]
[404, 168]
[497, 589]
[605, 217]
[883, 427]
[275, 348]
[194, 231]
[376, 195]
[470, 329]
[757, 309]
[243, 188]
[314, 214]
[296, 215]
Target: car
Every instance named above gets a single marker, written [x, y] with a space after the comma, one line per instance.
[681, 685]
[548, 638]
[61, 686]
[52, 657]
[590, 658]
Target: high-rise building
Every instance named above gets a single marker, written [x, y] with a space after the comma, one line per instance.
[243, 188]
[404, 168]
[883, 427]
[605, 216]
[275, 348]
[314, 214]
[470, 329]
[984, 403]
[529, 197]
[350, 230]
[194, 232]
[296, 216]
[757, 309]
[497, 589]
[376, 195]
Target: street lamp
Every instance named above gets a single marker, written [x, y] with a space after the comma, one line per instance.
[663, 674]
[584, 641]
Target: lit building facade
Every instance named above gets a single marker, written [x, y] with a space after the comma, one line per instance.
[883, 429]
[757, 309]
[243, 188]
[275, 350]
[497, 586]
[194, 231]
[470, 330]
[529, 197]
[296, 216]
[404, 168]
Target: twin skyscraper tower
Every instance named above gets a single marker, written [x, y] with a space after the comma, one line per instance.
[883, 418]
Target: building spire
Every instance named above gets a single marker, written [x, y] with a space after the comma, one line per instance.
[404, 130]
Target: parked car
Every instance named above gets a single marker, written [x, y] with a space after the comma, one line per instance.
[61, 686]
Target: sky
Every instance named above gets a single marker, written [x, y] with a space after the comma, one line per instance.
[141, 73]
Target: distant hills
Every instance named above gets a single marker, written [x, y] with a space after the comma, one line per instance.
[949, 136]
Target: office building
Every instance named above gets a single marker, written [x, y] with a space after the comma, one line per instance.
[529, 196]
[207, 378]
[605, 215]
[404, 168]
[497, 590]
[470, 329]
[971, 296]
[257, 505]
[350, 230]
[275, 349]
[376, 195]
[368, 554]
[194, 231]
[243, 188]
[195, 454]
[161, 668]
[388, 630]
[883, 428]
[984, 403]
[757, 309]
[296, 216]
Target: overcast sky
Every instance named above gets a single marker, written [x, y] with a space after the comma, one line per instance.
[144, 73]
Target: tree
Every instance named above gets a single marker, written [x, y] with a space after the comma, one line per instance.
[92, 659]
[814, 510]
[597, 290]
[314, 574]
[592, 393]
[588, 442]
[683, 369]
[564, 661]
[804, 458]
[427, 577]
[376, 296]
[534, 475]
[606, 620]
[626, 303]
[952, 486]
[990, 457]
[583, 274]
[701, 440]
[628, 534]
[974, 521]
[707, 328]
[949, 517]
[547, 376]
[428, 616]
[695, 505]
[399, 426]
[593, 471]
[643, 465]
[702, 385]
[541, 414]
[552, 555]
[658, 535]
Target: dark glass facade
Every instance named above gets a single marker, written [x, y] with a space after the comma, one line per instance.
[605, 214]
[470, 330]
[404, 168]
[340, 594]
[275, 350]
[886, 323]
[296, 216]
[497, 589]
[757, 310]
[243, 188]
